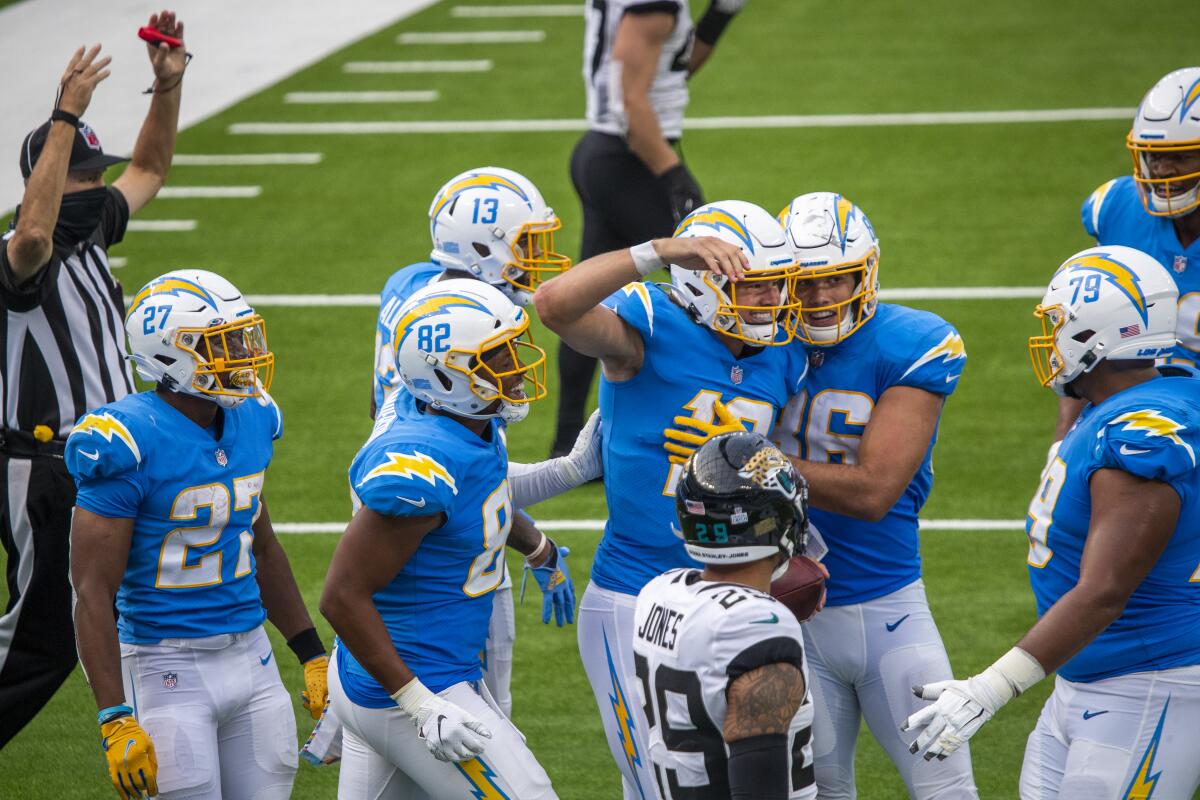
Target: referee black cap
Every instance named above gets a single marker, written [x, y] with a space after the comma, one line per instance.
[86, 153]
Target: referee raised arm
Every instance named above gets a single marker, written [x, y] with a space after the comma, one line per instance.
[64, 352]
[627, 169]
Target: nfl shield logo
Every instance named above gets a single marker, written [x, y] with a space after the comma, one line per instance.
[89, 136]
[170, 680]
[1180, 264]
[816, 358]
[222, 459]
[735, 374]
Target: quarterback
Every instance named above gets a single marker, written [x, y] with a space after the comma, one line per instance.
[170, 521]
[1155, 209]
[1113, 554]
[715, 334]
[410, 587]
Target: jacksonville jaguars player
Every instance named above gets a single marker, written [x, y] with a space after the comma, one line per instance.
[1157, 209]
[716, 333]
[170, 520]
[1114, 554]
[718, 640]
[863, 433]
[410, 587]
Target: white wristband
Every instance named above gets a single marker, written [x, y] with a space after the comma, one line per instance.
[1019, 669]
[645, 258]
[411, 696]
[537, 551]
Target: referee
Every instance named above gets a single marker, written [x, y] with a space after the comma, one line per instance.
[64, 346]
[627, 169]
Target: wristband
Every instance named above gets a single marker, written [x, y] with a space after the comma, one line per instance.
[537, 551]
[306, 645]
[411, 696]
[712, 25]
[58, 115]
[106, 715]
[1019, 669]
[645, 258]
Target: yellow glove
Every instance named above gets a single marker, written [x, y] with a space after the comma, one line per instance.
[690, 433]
[316, 689]
[132, 764]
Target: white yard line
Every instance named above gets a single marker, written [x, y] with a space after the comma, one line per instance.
[244, 159]
[326, 98]
[574, 10]
[561, 525]
[213, 192]
[116, 262]
[161, 225]
[473, 37]
[694, 123]
[389, 67]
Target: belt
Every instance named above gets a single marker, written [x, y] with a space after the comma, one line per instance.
[20, 444]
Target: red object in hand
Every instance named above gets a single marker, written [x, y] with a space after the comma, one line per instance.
[801, 588]
[154, 36]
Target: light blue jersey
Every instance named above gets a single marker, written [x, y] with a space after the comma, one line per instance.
[898, 346]
[401, 286]
[1151, 430]
[192, 497]
[685, 369]
[1114, 214]
[438, 606]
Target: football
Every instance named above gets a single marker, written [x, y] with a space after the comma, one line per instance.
[801, 588]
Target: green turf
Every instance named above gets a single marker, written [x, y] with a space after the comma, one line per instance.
[971, 205]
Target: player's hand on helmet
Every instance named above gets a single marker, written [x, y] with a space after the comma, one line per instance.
[449, 731]
[558, 590]
[959, 710]
[316, 689]
[84, 72]
[584, 463]
[703, 253]
[690, 433]
[132, 763]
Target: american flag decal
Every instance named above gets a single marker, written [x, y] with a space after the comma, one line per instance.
[1130, 330]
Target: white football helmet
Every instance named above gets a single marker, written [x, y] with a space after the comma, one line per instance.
[1165, 140]
[494, 224]
[193, 332]
[1103, 303]
[832, 236]
[712, 299]
[462, 347]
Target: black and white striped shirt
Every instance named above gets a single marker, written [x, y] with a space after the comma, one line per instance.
[63, 335]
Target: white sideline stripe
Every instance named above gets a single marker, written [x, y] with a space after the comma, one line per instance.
[963, 293]
[244, 159]
[473, 37]
[575, 10]
[694, 123]
[190, 192]
[116, 262]
[598, 525]
[478, 65]
[312, 98]
[162, 225]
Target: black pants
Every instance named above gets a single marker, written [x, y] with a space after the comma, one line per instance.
[37, 637]
[623, 205]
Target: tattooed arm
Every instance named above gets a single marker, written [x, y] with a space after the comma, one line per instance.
[760, 707]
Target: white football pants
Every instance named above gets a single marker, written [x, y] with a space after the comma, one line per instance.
[606, 646]
[1135, 735]
[220, 718]
[383, 758]
[864, 660]
[498, 652]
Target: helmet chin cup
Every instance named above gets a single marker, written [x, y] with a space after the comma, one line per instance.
[1175, 206]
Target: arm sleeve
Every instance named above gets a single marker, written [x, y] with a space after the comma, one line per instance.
[758, 768]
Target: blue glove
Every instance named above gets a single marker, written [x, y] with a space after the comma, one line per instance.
[558, 590]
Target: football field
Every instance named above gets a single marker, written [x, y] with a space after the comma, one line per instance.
[799, 97]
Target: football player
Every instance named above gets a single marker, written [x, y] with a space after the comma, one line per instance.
[1155, 209]
[862, 434]
[1113, 554]
[170, 521]
[717, 642]
[410, 586]
[715, 333]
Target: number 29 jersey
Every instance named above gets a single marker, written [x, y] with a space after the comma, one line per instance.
[193, 500]
[438, 605]
[685, 368]
[1152, 431]
[692, 639]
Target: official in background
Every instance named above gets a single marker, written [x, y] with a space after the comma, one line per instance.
[627, 169]
[64, 351]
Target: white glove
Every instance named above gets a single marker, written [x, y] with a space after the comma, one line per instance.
[450, 733]
[584, 462]
[962, 707]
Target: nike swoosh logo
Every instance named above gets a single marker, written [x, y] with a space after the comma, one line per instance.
[1131, 451]
[439, 723]
[891, 626]
[412, 502]
[1090, 714]
[93, 456]
[264, 659]
[952, 378]
[771, 620]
